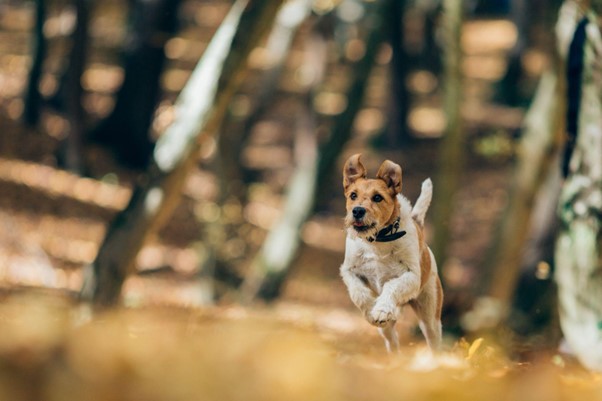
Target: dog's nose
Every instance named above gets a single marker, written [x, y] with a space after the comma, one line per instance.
[358, 212]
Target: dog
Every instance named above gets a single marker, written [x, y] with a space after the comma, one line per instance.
[387, 262]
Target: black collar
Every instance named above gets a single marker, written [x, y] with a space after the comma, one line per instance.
[389, 233]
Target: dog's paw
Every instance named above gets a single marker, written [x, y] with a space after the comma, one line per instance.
[381, 316]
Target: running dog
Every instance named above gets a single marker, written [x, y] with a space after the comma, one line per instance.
[387, 261]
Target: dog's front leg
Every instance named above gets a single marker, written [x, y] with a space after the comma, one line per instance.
[361, 295]
[396, 292]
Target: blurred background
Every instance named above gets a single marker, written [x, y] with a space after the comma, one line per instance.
[88, 87]
[95, 96]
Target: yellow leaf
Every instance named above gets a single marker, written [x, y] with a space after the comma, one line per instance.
[474, 347]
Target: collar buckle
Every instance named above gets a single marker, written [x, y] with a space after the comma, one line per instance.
[389, 233]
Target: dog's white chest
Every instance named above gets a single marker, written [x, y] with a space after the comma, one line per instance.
[375, 265]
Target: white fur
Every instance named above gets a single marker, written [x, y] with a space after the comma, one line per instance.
[423, 202]
[383, 276]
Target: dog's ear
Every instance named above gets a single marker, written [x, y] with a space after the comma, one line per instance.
[353, 170]
[390, 173]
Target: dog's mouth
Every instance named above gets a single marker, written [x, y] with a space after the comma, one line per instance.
[360, 226]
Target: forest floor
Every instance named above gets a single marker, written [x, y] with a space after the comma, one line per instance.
[311, 343]
[51, 350]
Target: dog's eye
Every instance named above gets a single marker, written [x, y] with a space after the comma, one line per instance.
[377, 198]
[353, 196]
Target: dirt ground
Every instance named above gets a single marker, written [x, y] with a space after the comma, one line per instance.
[51, 350]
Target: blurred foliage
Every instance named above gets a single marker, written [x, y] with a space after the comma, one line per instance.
[46, 353]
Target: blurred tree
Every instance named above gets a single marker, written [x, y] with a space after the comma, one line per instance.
[231, 173]
[533, 306]
[33, 98]
[508, 88]
[410, 52]
[530, 18]
[537, 151]
[260, 280]
[397, 133]
[68, 99]
[70, 151]
[272, 264]
[126, 131]
[238, 128]
[532, 299]
[199, 112]
[451, 159]
[432, 44]
[579, 244]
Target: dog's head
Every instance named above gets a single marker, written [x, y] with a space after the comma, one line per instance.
[371, 202]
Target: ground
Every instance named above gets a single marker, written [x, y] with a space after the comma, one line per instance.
[50, 349]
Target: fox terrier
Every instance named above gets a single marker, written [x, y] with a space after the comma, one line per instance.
[387, 261]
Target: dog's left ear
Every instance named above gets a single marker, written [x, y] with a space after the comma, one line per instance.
[353, 170]
[390, 173]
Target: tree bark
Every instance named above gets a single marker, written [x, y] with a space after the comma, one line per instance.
[70, 152]
[33, 98]
[579, 244]
[536, 152]
[199, 111]
[397, 133]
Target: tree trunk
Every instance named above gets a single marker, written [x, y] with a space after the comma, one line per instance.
[508, 88]
[397, 133]
[537, 150]
[451, 157]
[271, 266]
[70, 152]
[533, 308]
[199, 109]
[126, 131]
[579, 244]
[33, 98]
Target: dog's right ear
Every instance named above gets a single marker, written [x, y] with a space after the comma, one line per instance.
[390, 173]
[353, 170]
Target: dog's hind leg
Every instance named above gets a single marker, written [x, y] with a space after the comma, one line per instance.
[432, 332]
[428, 310]
[389, 334]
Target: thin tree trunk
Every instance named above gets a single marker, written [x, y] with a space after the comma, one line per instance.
[33, 98]
[451, 159]
[126, 131]
[397, 133]
[199, 109]
[271, 266]
[70, 153]
[537, 150]
[533, 304]
[509, 88]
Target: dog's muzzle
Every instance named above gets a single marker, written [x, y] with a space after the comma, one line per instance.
[358, 214]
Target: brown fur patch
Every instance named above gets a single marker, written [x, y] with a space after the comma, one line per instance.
[439, 298]
[425, 256]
